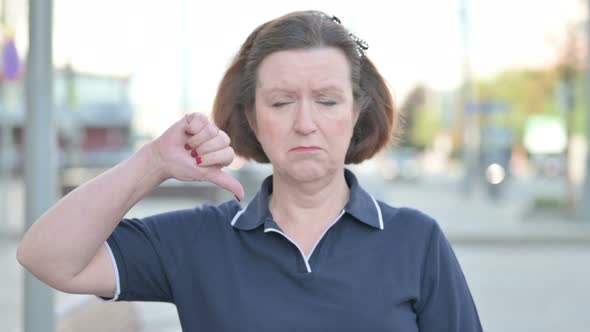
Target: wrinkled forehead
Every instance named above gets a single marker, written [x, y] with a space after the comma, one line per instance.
[317, 68]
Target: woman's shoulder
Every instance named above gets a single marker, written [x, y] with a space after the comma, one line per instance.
[219, 213]
[408, 220]
[188, 219]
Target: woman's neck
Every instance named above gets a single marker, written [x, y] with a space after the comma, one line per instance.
[308, 204]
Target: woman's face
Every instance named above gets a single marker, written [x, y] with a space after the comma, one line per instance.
[305, 112]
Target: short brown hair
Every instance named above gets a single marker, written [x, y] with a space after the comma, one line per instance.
[304, 30]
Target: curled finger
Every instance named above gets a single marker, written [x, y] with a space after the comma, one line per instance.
[219, 142]
[195, 123]
[222, 157]
[205, 134]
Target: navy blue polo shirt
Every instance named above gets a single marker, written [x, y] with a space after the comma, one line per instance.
[228, 268]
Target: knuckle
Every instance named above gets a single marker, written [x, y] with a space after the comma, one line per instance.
[211, 129]
[231, 156]
[198, 121]
[199, 117]
[225, 137]
[194, 126]
[192, 141]
[187, 118]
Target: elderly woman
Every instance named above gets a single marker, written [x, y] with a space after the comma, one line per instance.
[312, 251]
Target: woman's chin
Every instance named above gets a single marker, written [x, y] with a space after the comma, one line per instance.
[307, 173]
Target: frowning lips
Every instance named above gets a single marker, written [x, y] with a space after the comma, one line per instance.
[306, 148]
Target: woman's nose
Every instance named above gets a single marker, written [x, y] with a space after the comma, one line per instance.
[304, 119]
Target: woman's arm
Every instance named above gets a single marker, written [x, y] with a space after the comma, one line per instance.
[445, 301]
[65, 247]
[71, 234]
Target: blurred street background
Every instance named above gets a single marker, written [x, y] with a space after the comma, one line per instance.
[494, 143]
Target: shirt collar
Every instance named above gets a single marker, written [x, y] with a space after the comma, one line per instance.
[361, 205]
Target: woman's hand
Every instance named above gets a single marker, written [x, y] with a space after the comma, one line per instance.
[194, 149]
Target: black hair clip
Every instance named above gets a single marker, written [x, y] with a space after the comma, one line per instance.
[361, 45]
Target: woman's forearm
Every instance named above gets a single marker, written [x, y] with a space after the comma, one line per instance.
[64, 239]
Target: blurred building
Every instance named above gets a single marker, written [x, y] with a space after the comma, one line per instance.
[93, 117]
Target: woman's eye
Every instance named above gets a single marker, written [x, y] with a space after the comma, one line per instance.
[280, 104]
[327, 102]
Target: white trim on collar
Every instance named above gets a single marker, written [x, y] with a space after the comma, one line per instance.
[324, 233]
[238, 214]
[308, 257]
[379, 215]
[294, 243]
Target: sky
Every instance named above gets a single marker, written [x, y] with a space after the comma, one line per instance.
[177, 50]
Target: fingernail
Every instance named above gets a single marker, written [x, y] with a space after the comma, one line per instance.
[194, 153]
[199, 161]
[186, 146]
[237, 198]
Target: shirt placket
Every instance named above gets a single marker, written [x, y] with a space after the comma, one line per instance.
[271, 226]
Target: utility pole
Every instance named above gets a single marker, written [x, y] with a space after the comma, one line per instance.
[41, 153]
[470, 129]
[585, 209]
[185, 58]
[568, 77]
[6, 143]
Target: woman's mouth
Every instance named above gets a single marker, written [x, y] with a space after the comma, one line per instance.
[306, 149]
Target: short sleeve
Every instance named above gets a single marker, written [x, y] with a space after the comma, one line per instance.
[445, 302]
[142, 255]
